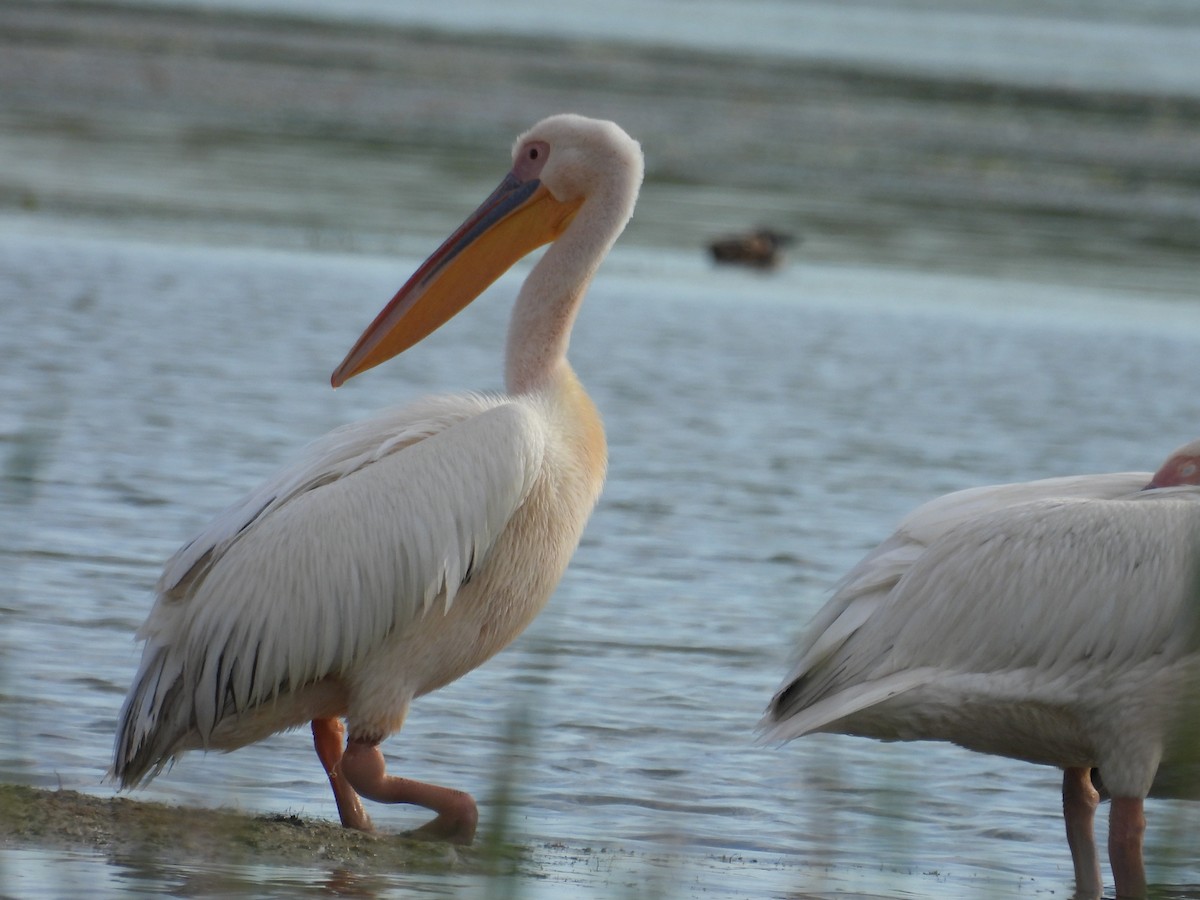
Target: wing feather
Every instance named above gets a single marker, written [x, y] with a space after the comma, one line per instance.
[1047, 584]
[867, 587]
[327, 459]
[378, 523]
[1044, 586]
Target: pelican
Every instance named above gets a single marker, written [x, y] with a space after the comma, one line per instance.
[399, 553]
[1053, 621]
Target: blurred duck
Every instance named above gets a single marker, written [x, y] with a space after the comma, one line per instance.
[761, 248]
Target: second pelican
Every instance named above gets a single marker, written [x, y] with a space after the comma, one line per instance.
[1053, 621]
[403, 551]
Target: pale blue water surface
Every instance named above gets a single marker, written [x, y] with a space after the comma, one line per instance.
[764, 433]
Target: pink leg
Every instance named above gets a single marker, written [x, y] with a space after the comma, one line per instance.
[1080, 800]
[457, 816]
[328, 738]
[1126, 829]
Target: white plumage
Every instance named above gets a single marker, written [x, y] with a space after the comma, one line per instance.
[1054, 621]
[400, 552]
[356, 561]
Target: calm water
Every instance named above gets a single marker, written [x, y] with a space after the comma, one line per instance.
[765, 431]
[1147, 46]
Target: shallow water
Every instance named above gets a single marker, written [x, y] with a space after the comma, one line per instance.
[764, 433]
[991, 287]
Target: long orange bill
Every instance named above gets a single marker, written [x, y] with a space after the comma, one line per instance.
[517, 218]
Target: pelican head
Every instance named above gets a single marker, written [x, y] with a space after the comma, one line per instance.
[560, 165]
[1181, 468]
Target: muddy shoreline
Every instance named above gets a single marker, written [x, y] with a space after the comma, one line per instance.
[129, 829]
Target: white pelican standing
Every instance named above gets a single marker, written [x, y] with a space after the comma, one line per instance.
[401, 552]
[1053, 621]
